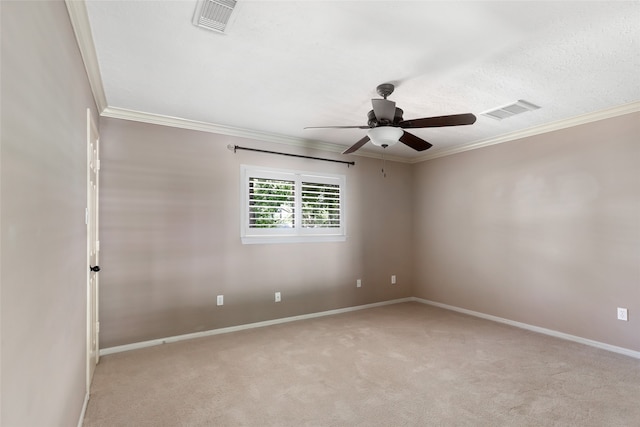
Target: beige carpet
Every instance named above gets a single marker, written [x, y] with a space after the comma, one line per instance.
[400, 365]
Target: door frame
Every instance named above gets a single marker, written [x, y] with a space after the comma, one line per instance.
[91, 220]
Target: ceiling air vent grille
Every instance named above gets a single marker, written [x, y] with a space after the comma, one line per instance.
[518, 107]
[213, 14]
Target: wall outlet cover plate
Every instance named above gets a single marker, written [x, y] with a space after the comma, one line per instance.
[622, 314]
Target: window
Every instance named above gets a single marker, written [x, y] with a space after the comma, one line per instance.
[290, 206]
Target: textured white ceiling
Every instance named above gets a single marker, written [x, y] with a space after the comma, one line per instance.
[284, 65]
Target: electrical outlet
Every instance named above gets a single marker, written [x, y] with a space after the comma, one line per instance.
[622, 314]
[278, 298]
[393, 279]
[220, 300]
[358, 283]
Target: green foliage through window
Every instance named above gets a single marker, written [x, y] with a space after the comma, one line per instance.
[271, 203]
[320, 205]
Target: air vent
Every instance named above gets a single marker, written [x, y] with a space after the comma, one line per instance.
[518, 107]
[214, 14]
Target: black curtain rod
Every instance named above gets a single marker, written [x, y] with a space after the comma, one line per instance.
[237, 147]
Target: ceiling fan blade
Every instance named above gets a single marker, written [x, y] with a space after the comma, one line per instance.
[434, 122]
[357, 145]
[414, 142]
[384, 109]
[337, 127]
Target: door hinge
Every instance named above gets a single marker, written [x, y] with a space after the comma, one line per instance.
[98, 164]
[86, 216]
[97, 326]
[97, 245]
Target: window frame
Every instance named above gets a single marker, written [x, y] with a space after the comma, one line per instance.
[297, 233]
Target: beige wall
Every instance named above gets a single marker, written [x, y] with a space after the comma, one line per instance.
[45, 94]
[545, 230]
[170, 236]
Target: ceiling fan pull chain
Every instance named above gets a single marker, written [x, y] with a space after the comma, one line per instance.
[384, 174]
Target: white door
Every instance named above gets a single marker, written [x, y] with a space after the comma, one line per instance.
[93, 246]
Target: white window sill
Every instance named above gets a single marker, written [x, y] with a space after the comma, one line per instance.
[253, 240]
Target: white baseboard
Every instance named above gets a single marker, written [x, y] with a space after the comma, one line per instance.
[143, 344]
[84, 410]
[557, 334]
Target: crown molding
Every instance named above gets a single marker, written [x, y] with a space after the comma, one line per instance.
[125, 114]
[176, 122]
[82, 30]
[158, 119]
[632, 107]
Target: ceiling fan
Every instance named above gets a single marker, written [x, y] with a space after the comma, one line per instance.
[386, 124]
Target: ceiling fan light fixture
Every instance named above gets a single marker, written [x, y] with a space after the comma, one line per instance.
[385, 136]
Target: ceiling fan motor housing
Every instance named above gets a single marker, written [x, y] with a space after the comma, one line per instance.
[374, 122]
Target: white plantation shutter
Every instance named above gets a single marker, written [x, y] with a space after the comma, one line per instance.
[271, 203]
[290, 206]
[320, 205]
